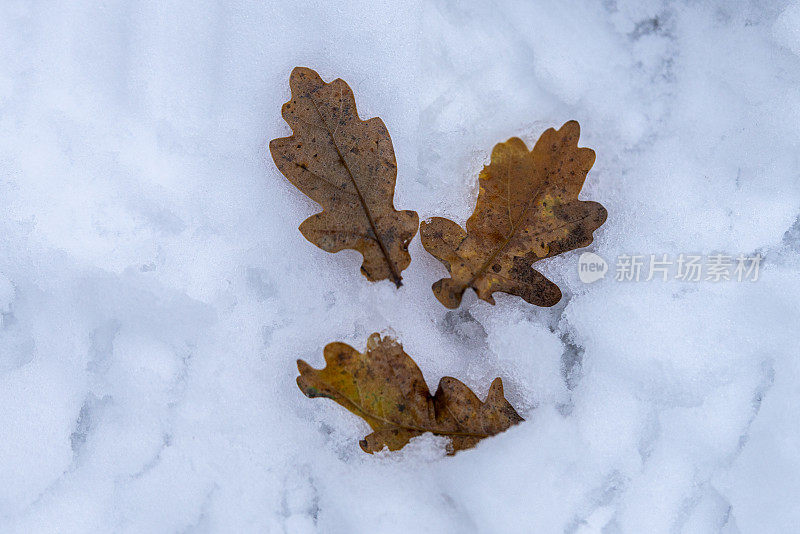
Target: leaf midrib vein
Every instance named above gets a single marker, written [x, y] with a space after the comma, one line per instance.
[513, 232]
[395, 424]
[508, 239]
[396, 278]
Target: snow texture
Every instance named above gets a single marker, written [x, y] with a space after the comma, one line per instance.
[155, 292]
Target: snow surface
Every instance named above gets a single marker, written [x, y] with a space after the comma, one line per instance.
[155, 291]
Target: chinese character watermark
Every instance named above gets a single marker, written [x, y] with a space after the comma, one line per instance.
[715, 267]
[629, 268]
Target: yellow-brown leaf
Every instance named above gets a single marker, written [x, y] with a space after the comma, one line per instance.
[385, 387]
[348, 166]
[527, 210]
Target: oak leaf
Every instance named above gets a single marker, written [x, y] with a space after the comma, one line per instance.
[347, 166]
[386, 388]
[527, 210]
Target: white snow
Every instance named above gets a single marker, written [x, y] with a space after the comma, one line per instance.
[155, 292]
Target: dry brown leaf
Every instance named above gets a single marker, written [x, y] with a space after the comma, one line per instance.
[386, 388]
[348, 166]
[527, 210]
